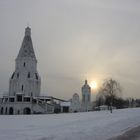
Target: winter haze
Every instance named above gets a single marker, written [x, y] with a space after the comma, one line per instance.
[74, 40]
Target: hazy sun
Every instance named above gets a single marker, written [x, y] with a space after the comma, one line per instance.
[93, 84]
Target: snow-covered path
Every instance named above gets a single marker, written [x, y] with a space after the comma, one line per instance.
[73, 126]
[133, 134]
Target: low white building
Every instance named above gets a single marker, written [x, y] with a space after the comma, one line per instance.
[104, 107]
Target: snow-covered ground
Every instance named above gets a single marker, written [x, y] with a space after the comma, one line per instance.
[72, 126]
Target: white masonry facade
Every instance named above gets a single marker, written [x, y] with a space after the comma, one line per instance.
[24, 84]
[85, 104]
[25, 79]
[86, 97]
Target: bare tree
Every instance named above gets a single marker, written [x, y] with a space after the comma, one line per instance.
[100, 98]
[111, 88]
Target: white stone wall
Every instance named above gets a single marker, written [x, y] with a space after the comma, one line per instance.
[25, 76]
[18, 108]
[75, 103]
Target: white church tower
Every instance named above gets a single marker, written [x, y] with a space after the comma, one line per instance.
[25, 79]
[86, 97]
[24, 85]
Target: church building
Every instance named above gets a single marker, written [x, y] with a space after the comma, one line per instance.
[85, 104]
[86, 97]
[24, 88]
[24, 84]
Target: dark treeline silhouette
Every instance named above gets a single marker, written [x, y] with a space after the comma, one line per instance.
[110, 95]
[118, 102]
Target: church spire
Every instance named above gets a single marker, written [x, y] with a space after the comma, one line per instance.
[28, 31]
[86, 85]
[26, 49]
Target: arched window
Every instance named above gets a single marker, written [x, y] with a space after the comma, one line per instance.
[24, 64]
[36, 76]
[17, 75]
[27, 110]
[29, 75]
[1, 110]
[13, 75]
[22, 87]
[11, 111]
[18, 112]
[6, 110]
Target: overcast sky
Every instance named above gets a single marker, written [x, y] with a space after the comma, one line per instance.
[74, 40]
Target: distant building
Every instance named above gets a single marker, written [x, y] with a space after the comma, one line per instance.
[75, 103]
[102, 107]
[85, 104]
[24, 84]
[65, 106]
[86, 97]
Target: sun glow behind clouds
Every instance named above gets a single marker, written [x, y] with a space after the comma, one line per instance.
[93, 85]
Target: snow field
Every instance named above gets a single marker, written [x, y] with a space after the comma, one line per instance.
[72, 126]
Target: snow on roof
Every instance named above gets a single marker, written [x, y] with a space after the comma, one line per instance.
[42, 97]
[19, 93]
[65, 103]
[27, 96]
[43, 94]
[103, 106]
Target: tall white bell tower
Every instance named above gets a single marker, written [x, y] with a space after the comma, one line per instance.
[86, 97]
[25, 79]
